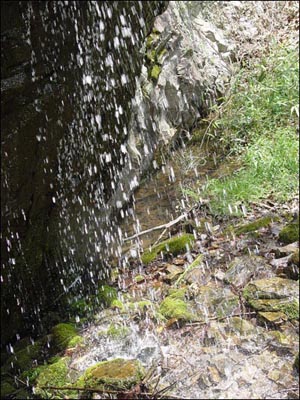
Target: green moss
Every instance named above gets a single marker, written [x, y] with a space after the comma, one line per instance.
[290, 309]
[32, 374]
[115, 331]
[160, 55]
[117, 374]
[106, 295]
[117, 304]
[63, 335]
[80, 308]
[174, 307]
[290, 233]
[177, 293]
[174, 245]
[76, 340]
[151, 55]
[155, 71]
[54, 375]
[151, 39]
[139, 278]
[255, 225]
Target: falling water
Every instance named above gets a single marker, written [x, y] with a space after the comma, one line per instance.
[80, 83]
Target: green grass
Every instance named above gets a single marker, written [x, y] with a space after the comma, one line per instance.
[257, 124]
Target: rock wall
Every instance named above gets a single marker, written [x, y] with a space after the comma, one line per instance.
[68, 74]
[187, 65]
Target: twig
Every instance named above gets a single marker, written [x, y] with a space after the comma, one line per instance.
[163, 226]
[93, 390]
[160, 236]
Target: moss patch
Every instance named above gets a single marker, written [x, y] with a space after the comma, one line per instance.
[117, 304]
[174, 306]
[155, 71]
[174, 245]
[139, 278]
[76, 340]
[117, 374]
[107, 294]
[290, 233]
[255, 225]
[54, 375]
[290, 309]
[63, 335]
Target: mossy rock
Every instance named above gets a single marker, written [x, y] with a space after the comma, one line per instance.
[118, 374]
[175, 307]
[290, 233]
[106, 295]
[174, 246]
[62, 335]
[55, 374]
[274, 295]
[255, 225]
[115, 331]
[271, 288]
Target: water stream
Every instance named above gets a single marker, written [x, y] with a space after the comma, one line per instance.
[83, 201]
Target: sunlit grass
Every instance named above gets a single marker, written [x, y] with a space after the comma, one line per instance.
[270, 168]
[257, 124]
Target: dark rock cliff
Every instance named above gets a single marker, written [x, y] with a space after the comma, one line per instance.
[68, 74]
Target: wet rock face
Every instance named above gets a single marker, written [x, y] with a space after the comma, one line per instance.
[67, 81]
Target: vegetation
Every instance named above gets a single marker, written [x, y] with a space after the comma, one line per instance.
[65, 335]
[256, 124]
[53, 375]
[174, 245]
[290, 233]
[118, 373]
